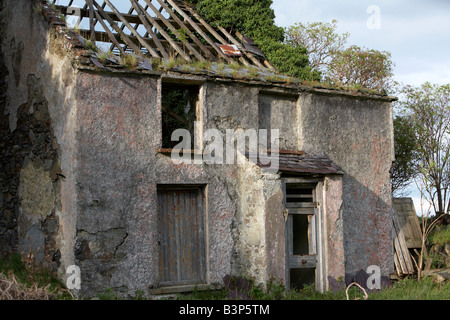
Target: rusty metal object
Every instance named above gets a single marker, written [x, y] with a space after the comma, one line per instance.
[230, 50]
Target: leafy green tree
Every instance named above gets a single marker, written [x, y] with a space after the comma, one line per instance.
[349, 67]
[362, 68]
[404, 168]
[256, 19]
[320, 40]
[428, 111]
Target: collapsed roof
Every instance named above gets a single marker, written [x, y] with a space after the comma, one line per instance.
[158, 29]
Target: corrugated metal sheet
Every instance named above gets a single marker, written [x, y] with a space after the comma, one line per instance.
[182, 236]
[230, 50]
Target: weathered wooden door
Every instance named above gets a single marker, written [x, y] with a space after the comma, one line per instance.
[182, 235]
[301, 233]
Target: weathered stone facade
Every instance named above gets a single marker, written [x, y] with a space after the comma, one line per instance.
[80, 166]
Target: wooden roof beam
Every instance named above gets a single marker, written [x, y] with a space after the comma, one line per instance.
[101, 36]
[137, 35]
[183, 26]
[131, 18]
[199, 30]
[140, 11]
[174, 30]
[114, 25]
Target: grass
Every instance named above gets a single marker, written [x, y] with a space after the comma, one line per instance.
[129, 61]
[411, 289]
[440, 235]
[32, 280]
[405, 289]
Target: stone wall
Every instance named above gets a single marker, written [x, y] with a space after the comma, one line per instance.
[34, 118]
[357, 135]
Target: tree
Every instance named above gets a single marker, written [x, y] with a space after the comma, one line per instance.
[428, 111]
[320, 39]
[362, 68]
[351, 67]
[404, 168]
[256, 19]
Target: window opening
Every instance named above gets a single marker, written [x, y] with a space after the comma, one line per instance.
[179, 105]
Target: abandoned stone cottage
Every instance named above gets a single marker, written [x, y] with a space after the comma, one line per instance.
[88, 179]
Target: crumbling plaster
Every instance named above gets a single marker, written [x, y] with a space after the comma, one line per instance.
[40, 87]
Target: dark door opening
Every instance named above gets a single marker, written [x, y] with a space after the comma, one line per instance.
[301, 234]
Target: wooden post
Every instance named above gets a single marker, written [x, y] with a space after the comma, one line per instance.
[91, 20]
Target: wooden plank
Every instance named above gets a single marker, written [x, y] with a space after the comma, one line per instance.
[399, 259]
[306, 182]
[312, 237]
[409, 222]
[91, 19]
[130, 17]
[308, 211]
[199, 30]
[302, 205]
[402, 249]
[136, 34]
[174, 30]
[187, 30]
[100, 36]
[299, 196]
[299, 262]
[206, 25]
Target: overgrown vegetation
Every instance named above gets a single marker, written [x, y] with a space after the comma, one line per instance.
[440, 235]
[20, 279]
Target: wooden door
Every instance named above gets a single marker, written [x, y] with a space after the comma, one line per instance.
[182, 235]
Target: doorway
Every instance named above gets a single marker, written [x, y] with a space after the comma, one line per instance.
[303, 233]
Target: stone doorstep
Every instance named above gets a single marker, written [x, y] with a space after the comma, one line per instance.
[183, 288]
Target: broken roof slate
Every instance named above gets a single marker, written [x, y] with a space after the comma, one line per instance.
[301, 163]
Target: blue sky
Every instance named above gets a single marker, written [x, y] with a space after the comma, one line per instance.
[416, 32]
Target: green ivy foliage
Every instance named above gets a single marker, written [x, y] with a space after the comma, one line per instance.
[256, 19]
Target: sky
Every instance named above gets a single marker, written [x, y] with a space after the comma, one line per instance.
[415, 32]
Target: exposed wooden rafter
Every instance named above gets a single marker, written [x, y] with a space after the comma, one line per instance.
[172, 29]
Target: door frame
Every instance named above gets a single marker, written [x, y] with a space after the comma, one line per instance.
[317, 260]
